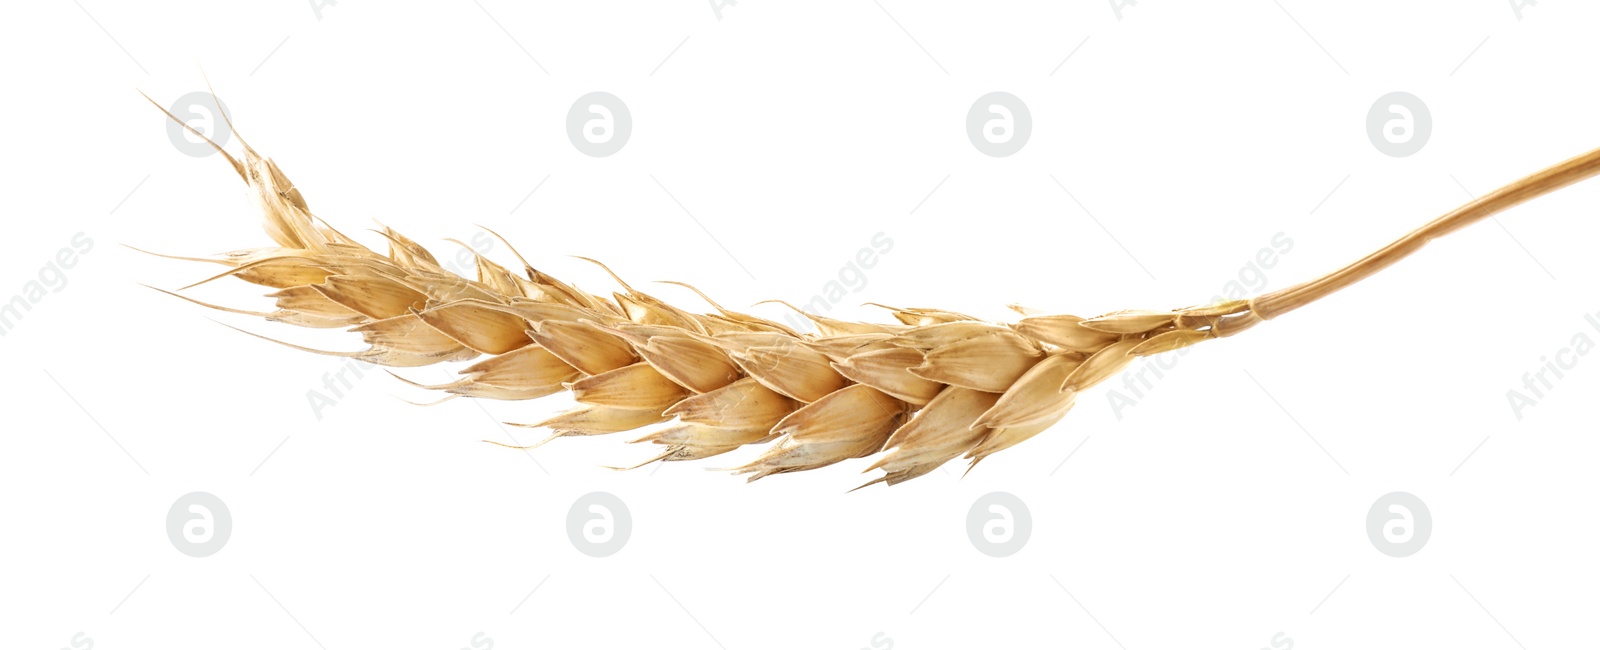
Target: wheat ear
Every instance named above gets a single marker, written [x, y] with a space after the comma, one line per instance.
[933, 386]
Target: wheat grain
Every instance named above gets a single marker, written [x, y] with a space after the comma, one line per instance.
[923, 391]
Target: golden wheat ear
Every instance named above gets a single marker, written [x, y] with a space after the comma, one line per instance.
[921, 391]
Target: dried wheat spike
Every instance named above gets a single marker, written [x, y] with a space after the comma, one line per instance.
[922, 391]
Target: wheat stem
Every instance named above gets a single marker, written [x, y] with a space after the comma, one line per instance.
[1550, 179]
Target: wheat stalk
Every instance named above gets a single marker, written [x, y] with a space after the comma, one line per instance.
[934, 386]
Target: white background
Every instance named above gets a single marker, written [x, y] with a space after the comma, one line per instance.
[1204, 516]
